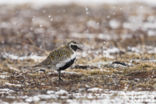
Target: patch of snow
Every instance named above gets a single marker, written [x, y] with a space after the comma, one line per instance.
[113, 50]
[10, 84]
[141, 60]
[83, 54]
[50, 95]
[4, 75]
[61, 92]
[100, 97]
[80, 35]
[15, 57]
[32, 99]
[95, 89]
[5, 25]
[142, 49]
[108, 51]
[132, 25]
[46, 96]
[151, 33]
[137, 22]
[36, 21]
[149, 25]
[118, 66]
[117, 97]
[100, 64]
[150, 49]
[87, 11]
[13, 68]
[23, 97]
[6, 91]
[90, 96]
[79, 95]
[50, 92]
[69, 72]
[93, 24]
[95, 36]
[114, 24]
[151, 18]
[107, 36]
[126, 36]
[134, 49]
[2, 102]
[11, 97]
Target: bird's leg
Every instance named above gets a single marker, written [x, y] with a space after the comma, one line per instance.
[59, 75]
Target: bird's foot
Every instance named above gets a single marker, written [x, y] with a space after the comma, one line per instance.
[60, 80]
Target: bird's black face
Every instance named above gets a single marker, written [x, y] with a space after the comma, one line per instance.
[74, 45]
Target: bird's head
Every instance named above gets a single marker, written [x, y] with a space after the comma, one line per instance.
[74, 45]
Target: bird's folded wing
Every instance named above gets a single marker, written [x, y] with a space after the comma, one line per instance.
[56, 56]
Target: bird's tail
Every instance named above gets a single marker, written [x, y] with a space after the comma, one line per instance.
[37, 65]
[27, 69]
[31, 69]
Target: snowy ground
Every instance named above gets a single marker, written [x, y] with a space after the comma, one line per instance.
[95, 96]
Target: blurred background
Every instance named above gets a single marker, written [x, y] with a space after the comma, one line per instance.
[32, 25]
[118, 62]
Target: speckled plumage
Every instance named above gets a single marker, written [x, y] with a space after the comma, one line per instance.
[55, 57]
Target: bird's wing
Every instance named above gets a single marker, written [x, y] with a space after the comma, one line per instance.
[59, 54]
[55, 56]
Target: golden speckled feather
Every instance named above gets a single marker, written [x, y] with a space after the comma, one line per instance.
[55, 56]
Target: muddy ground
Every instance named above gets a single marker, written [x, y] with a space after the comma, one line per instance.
[119, 51]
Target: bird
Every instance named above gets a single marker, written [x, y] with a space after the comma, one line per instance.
[61, 58]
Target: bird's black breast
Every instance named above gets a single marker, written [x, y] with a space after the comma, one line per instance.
[68, 64]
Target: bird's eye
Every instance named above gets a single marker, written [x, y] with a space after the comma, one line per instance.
[74, 47]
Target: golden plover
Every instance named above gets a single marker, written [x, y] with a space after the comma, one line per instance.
[61, 58]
